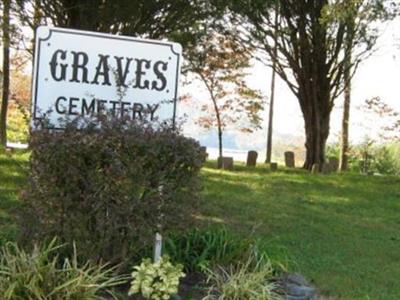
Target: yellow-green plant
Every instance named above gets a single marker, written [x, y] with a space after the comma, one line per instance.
[43, 275]
[156, 281]
[248, 280]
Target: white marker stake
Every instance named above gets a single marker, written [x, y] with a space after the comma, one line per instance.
[157, 247]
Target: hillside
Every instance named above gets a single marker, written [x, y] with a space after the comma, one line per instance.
[341, 231]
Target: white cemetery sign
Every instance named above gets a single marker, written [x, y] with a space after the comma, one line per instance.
[81, 73]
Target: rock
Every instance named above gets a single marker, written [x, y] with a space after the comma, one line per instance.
[252, 158]
[225, 163]
[289, 159]
[306, 292]
[295, 287]
[296, 278]
[273, 166]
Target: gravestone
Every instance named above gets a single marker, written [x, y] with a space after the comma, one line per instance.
[326, 168]
[203, 150]
[225, 163]
[252, 158]
[333, 163]
[315, 169]
[273, 166]
[289, 159]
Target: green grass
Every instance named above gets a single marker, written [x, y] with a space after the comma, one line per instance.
[341, 231]
[13, 167]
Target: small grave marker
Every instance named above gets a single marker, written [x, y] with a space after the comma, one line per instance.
[252, 158]
[225, 163]
[289, 159]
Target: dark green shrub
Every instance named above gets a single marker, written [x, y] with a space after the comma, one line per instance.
[109, 189]
[198, 249]
[42, 274]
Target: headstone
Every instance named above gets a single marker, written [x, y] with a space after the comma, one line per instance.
[273, 166]
[289, 159]
[252, 158]
[333, 164]
[225, 163]
[326, 168]
[203, 150]
[315, 169]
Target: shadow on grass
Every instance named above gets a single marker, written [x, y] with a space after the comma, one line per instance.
[343, 230]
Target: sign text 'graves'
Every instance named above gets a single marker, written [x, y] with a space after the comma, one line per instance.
[80, 73]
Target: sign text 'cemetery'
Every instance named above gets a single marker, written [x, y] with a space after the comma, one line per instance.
[79, 73]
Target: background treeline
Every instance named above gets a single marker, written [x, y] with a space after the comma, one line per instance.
[315, 47]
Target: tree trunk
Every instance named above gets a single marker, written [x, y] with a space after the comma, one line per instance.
[6, 72]
[219, 125]
[220, 140]
[316, 107]
[344, 144]
[272, 96]
[317, 132]
[344, 141]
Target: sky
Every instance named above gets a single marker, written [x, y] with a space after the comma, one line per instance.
[379, 76]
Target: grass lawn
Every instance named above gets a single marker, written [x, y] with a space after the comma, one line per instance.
[12, 178]
[341, 231]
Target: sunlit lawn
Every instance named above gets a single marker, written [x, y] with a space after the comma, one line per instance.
[12, 179]
[341, 231]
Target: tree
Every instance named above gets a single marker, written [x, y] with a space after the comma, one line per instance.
[155, 19]
[370, 13]
[6, 71]
[220, 63]
[376, 108]
[272, 94]
[310, 56]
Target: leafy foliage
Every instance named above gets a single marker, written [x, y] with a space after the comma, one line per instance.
[155, 19]
[156, 281]
[220, 62]
[199, 249]
[42, 274]
[17, 124]
[375, 108]
[311, 56]
[369, 157]
[251, 279]
[111, 187]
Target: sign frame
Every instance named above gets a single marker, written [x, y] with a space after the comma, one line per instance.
[44, 34]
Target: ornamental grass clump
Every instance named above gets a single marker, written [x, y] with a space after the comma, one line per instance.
[199, 249]
[156, 281]
[42, 275]
[252, 279]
